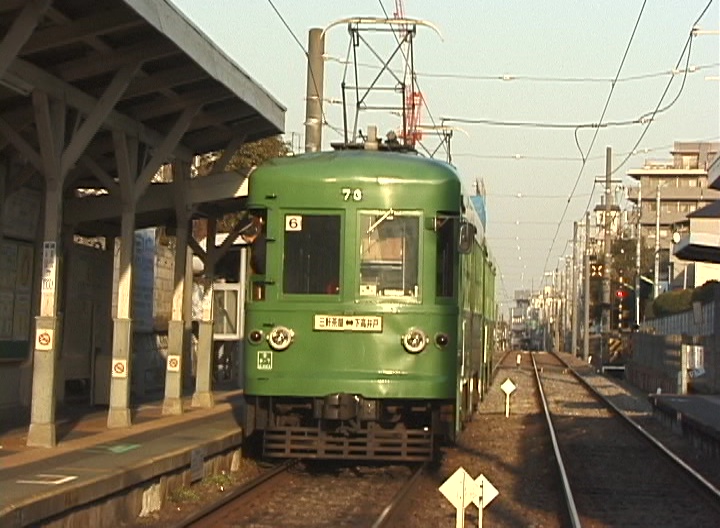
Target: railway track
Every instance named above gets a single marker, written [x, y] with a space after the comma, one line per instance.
[614, 473]
[319, 494]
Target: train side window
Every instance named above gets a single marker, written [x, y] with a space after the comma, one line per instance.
[311, 263]
[389, 249]
[445, 228]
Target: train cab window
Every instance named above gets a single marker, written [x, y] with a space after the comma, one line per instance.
[389, 249]
[255, 236]
[445, 228]
[311, 260]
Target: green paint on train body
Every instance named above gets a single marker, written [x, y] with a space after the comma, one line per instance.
[368, 237]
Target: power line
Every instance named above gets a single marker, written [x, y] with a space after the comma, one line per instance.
[688, 47]
[531, 157]
[305, 52]
[562, 80]
[540, 124]
[597, 130]
[547, 79]
[532, 196]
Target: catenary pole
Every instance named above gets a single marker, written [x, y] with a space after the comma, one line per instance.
[656, 271]
[573, 294]
[586, 294]
[607, 247]
[638, 249]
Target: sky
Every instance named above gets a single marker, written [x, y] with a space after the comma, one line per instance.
[514, 78]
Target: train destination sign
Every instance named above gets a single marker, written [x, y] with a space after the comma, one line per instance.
[348, 323]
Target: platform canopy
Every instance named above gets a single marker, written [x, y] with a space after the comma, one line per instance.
[102, 69]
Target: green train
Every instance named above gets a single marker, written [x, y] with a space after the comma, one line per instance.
[370, 308]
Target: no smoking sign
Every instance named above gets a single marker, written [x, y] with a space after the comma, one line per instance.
[173, 363]
[43, 339]
[119, 368]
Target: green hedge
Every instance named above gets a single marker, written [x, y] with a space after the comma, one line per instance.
[679, 301]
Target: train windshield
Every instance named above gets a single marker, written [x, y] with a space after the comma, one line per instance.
[312, 254]
[389, 249]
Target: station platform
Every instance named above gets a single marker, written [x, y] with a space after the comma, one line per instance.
[100, 476]
[694, 414]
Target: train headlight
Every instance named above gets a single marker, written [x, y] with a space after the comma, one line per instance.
[280, 337]
[414, 340]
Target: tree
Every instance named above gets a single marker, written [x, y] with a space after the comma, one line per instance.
[247, 157]
[623, 253]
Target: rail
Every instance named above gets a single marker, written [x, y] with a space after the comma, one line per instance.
[567, 489]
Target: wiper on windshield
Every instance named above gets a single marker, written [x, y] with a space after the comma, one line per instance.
[387, 214]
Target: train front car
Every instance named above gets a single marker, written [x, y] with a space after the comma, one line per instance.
[352, 321]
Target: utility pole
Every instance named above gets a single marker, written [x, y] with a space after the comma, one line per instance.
[607, 247]
[573, 294]
[638, 249]
[586, 293]
[656, 278]
[314, 90]
[556, 311]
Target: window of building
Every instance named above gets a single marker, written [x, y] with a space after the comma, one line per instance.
[690, 161]
[311, 262]
[389, 251]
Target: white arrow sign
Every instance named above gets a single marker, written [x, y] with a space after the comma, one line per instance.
[460, 489]
[508, 387]
[487, 495]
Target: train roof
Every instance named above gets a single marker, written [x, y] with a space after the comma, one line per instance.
[362, 163]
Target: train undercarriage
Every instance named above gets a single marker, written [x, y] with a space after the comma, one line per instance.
[348, 426]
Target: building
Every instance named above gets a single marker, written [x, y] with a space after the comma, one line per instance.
[702, 243]
[682, 187]
[519, 320]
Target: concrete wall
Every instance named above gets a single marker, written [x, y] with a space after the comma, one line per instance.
[153, 269]
[88, 307]
[656, 356]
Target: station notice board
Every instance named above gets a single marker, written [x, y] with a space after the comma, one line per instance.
[20, 216]
[16, 265]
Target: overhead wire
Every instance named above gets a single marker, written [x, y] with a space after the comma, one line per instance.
[592, 142]
[688, 47]
[549, 79]
[651, 115]
[307, 56]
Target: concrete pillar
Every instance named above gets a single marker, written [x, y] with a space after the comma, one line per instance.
[315, 91]
[121, 364]
[175, 366]
[188, 359]
[47, 325]
[203, 396]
